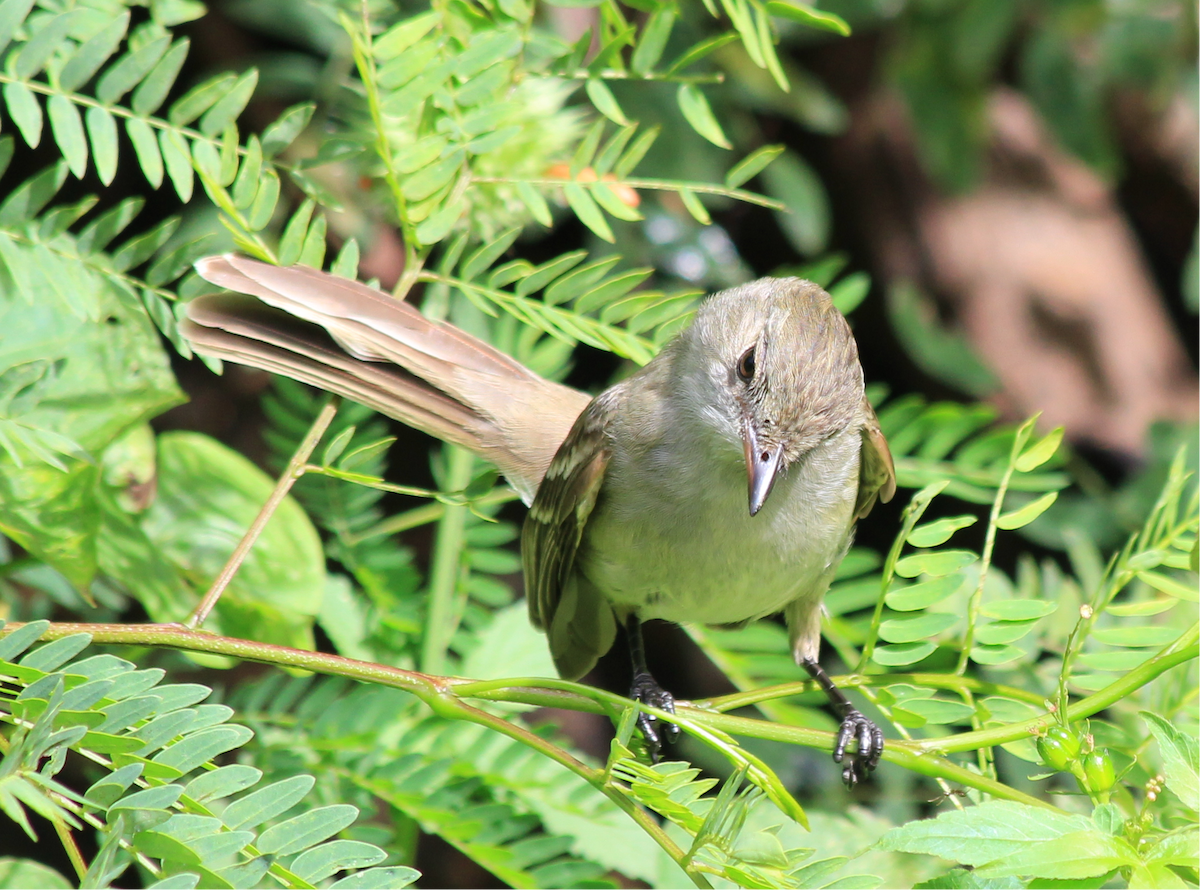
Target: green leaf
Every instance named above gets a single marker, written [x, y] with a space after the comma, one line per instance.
[67, 127]
[1079, 854]
[224, 781]
[926, 593]
[940, 712]
[1169, 586]
[1039, 452]
[200, 747]
[995, 655]
[935, 564]
[1027, 514]
[403, 35]
[483, 257]
[22, 638]
[286, 128]
[902, 653]
[160, 797]
[806, 220]
[30, 874]
[87, 60]
[199, 99]
[587, 211]
[535, 203]
[933, 534]
[919, 627]
[292, 241]
[102, 129]
[753, 164]
[323, 861]
[152, 92]
[986, 833]
[54, 655]
[32, 57]
[145, 146]
[25, 111]
[303, 831]
[807, 15]
[178, 162]
[226, 109]
[1180, 756]
[267, 803]
[128, 71]
[12, 14]
[1141, 635]
[694, 207]
[653, 39]
[394, 877]
[605, 102]
[1019, 610]
[1001, 633]
[699, 115]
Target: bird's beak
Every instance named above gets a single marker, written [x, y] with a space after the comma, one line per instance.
[762, 465]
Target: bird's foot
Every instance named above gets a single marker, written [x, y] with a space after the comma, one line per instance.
[870, 746]
[646, 690]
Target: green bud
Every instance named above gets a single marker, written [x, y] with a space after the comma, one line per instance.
[1058, 747]
[1099, 771]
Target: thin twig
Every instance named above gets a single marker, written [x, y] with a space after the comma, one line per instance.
[294, 470]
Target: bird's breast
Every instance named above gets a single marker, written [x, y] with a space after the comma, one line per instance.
[672, 537]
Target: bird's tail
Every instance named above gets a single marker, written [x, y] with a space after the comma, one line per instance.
[383, 353]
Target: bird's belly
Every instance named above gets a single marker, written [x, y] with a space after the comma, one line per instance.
[708, 561]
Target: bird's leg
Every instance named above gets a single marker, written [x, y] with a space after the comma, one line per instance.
[854, 726]
[646, 690]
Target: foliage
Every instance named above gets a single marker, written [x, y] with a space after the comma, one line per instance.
[466, 127]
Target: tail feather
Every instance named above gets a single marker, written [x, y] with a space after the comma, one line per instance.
[383, 353]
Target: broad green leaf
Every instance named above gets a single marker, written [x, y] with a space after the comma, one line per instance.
[152, 92]
[935, 564]
[806, 217]
[926, 593]
[207, 497]
[1078, 854]
[32, 57]
[404, 34]
[224, 781]
[917, 627]
[200, 747]
[1114, 659]
[181, 881]
[303, 831]
[699, 115]
[128, 71]
[751, 165]
[694, 207]
[226, 109]
[267, 803]
[1140, 635]
[1019, 610]
[986, 833]
[54, 655]
[102, 129]
[995, 655]
[25, 110]
[67, 127]
[535, 203]
[848, 293]
[1180, 756]
[933, 534]
[200, 98]
[1027, 514]
[483, 257]
[145, 146]
[938, 711]
[324, 860]
[178, 162]
[1039, 452]
[1001, 633]
[294, 232]
[265, 198]
[12, 14]
[22, 638]
[87, 60]
[605, 101]
[160, 797]
[30, 875]
[1170, 586]
[393, 877]
[286, 128]
[902, 653]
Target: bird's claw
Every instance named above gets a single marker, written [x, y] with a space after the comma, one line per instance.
[870, 746]
[646, 690]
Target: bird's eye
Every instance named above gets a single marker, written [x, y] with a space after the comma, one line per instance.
[745, 365]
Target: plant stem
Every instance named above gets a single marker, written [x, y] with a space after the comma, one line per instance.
[294, 470]
[444, 577]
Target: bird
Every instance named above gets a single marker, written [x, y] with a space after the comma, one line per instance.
[719, 484]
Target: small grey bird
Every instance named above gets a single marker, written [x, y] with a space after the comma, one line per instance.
[717, 485]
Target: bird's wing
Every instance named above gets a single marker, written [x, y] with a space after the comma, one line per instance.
[877, 473]
[556, 520]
